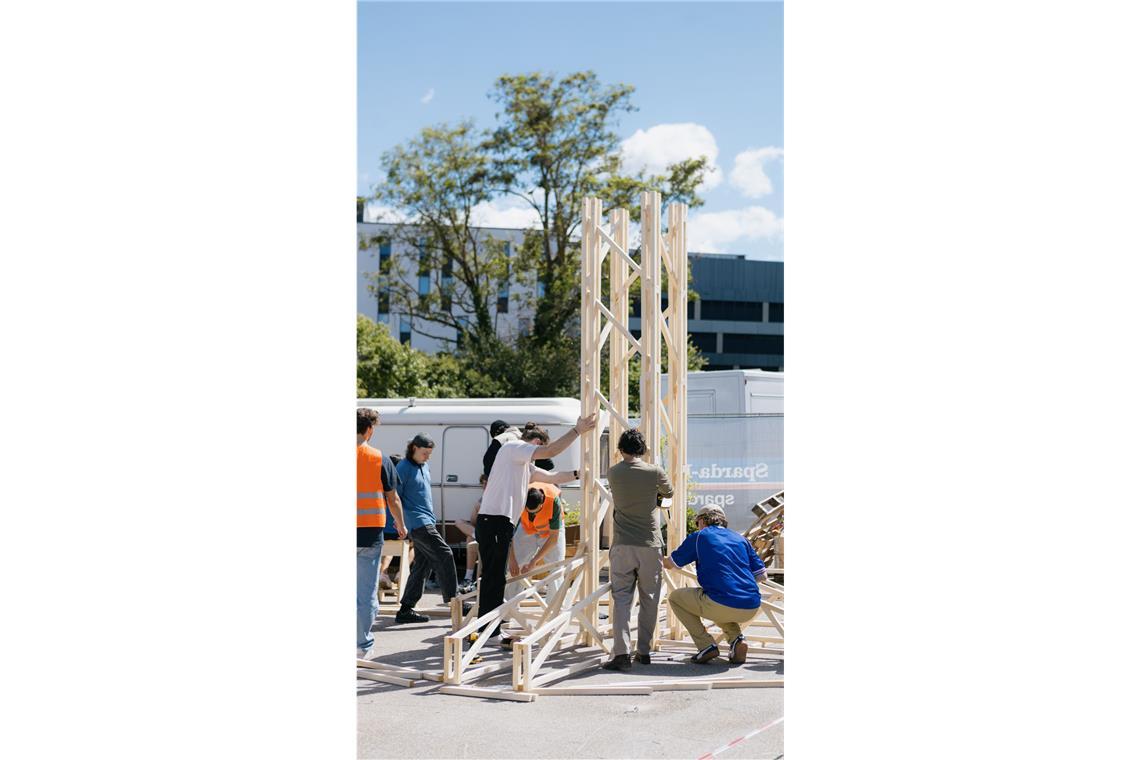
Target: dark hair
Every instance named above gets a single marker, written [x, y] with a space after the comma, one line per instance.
[422, 441]
[366, 418]
[482, 480]
[532, 430]
[497, 428]
[632, 442]
[534, 498]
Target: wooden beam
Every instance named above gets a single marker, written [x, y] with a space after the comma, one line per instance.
[384, 677]
[475, 691]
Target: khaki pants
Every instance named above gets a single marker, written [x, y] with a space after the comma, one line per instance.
[692, 604]
[640, 567]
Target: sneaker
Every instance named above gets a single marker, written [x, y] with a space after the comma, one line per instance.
[466, 586]
[739, 650]
[363, 654]
[386, 582]
[642, 659]
[708, 653]
[619, 662]
[410, 616]
[507, 643]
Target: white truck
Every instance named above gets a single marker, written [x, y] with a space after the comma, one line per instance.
[461, 431]
[735, 451]
[736, 439]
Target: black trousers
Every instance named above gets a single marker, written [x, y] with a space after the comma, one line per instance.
[432, 553]
[494, 534]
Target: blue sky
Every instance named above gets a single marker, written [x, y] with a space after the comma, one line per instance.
[708, 77]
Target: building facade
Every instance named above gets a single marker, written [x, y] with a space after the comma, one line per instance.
[737, 321]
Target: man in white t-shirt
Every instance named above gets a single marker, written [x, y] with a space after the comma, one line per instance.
[505, 498]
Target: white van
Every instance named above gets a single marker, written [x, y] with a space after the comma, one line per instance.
[736, 439]
[461, 431]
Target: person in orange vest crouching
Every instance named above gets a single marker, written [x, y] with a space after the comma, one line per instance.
[375, 493]
[539, 538]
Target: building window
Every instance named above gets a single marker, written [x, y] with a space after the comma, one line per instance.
[446, 286]
[705, 341]
[462, 323]
[692, 305]
[382, 300]
[540, 289]
[425, 284]
[735, 343]
[504, 301]
[775, 312]
[524, 325]
[734, 311]
[405, 331]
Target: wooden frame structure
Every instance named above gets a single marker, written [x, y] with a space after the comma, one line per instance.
[544, 626]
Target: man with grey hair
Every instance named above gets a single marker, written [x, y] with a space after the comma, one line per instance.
[635, 553]
[727, 571]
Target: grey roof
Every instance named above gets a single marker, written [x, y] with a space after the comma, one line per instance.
[735, 278]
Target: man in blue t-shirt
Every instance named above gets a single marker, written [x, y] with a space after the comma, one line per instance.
[432, 552]
[727, 569]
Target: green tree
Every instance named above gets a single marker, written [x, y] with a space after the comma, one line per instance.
[435, 181]
[386, 368]
[553, 144]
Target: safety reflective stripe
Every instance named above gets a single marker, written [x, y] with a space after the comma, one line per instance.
[369, 511]
[368, 495]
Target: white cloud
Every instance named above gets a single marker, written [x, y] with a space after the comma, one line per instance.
[510, 213]
[712, 231]
[428, 96]
[374, 212]
[654, 148]
[748, 174]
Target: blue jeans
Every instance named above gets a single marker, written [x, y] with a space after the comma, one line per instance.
[367, 576]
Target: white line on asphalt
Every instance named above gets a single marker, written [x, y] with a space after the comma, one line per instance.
[740, 739]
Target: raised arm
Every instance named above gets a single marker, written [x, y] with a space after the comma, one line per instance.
[551, 450]
[557, 478]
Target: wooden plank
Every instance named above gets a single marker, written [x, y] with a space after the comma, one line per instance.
[777, 683]
[693, 679]
[385, 678]
[683, 686]
[475, 691]
[566, 691]
[391, 669]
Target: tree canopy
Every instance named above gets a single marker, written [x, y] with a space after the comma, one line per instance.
[554, 142]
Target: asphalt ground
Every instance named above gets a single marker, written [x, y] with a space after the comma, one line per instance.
[400, 722]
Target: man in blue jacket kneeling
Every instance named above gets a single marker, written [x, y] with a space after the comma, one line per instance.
[727, 569]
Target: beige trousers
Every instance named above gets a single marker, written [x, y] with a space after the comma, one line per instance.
[692, 604]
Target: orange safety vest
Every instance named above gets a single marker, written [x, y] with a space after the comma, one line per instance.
[540, 523]
[370, 501]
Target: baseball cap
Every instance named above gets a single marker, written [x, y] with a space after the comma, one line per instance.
[497, 428]
[711, 509]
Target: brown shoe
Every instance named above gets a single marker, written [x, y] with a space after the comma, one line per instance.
[739, 650]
